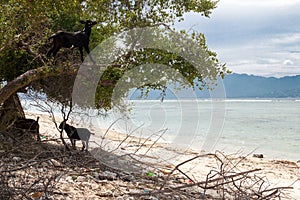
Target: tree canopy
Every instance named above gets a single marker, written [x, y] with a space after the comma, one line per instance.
[26, 25]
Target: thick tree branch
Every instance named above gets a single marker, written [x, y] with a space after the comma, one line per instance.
[33, 75]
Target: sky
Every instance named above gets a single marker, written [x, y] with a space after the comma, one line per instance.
[259, 37]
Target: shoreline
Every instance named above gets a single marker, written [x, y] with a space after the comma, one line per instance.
[243, 151]
[117, 134]
[279, 172]
[237, 135]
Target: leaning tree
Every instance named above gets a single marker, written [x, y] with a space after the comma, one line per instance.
[26, 25]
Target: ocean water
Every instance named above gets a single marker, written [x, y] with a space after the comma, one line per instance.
[270, 127]
[245, 126]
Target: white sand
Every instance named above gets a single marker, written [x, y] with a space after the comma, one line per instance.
[279, 173]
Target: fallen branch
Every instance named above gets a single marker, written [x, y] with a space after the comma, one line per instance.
[194, 184]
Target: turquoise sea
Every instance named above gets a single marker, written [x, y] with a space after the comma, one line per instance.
[267, 126]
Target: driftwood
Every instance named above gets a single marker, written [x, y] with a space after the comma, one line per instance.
[29, 170]
[226, 183]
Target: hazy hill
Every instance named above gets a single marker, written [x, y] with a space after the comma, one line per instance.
[243, 86]
[249, 86]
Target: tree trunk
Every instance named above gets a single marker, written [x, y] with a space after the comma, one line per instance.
[10, 110]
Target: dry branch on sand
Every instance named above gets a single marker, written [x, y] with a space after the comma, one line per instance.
[228, 182]
[45, 170]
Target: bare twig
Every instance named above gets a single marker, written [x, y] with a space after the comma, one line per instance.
[195, 184]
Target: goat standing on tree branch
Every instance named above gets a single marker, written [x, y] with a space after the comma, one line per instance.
[79, 39]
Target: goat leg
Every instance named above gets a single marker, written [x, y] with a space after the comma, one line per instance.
[38, 136]
[81, 53]
[73, 142]
[83, 145]
[50, 52]
[55, 50]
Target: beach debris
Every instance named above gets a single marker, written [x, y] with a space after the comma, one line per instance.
[80, 178]
[107, 175]
[74, 178]
[150, 174]
[49, 172]
[55, 163]
[69, 179]
[228, 181]
[286, 162]
[165, 171]
[36, 195]
[16, 159]
[127, 178]
[258, 155]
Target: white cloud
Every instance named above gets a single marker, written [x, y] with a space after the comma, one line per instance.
[261, 57]
[253, 36]
[287, 38]
[288, 62]
[265, 3]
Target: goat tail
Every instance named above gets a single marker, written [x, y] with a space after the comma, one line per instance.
[37, 119]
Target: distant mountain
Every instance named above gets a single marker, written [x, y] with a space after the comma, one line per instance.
[241, 86]
[250, 86]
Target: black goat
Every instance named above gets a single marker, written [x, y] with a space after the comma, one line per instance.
[79, 39]
[30, 125]
[74, 134]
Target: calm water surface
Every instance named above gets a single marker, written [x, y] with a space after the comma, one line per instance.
[271, 127]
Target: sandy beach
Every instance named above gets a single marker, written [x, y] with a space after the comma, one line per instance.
[275, 173]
